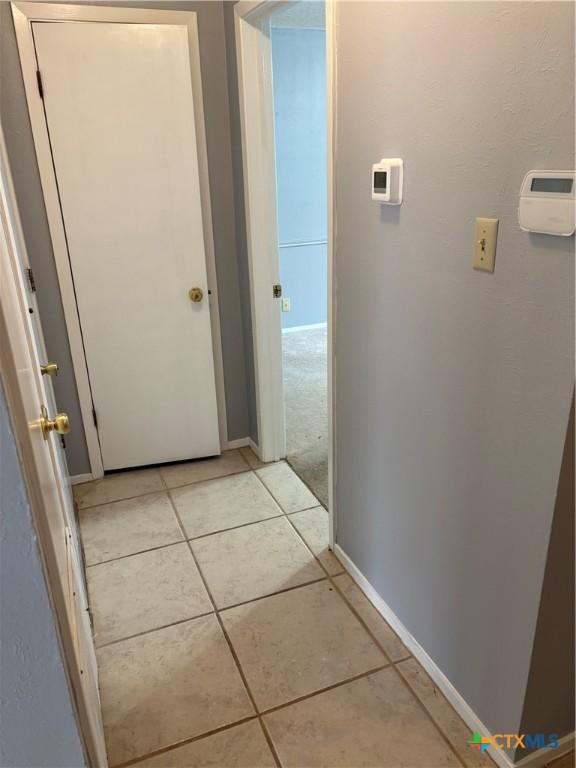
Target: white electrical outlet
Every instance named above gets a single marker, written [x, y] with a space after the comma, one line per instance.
[286, 305]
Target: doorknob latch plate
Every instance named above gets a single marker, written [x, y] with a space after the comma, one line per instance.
[277, 291]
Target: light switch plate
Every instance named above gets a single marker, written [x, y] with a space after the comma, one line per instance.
[286, 305]
[485, 236]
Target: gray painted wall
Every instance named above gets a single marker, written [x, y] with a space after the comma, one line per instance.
[15, 119]
[37, 723]
[299, 73]
[453, 387]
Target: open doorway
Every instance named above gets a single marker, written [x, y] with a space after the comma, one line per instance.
[298, 45]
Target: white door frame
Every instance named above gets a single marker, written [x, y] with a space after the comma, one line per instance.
[259, 167]
[21, 378]
[25, 13]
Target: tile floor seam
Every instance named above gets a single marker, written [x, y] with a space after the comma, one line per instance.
[270, 742]
[184, 742]
[271, 594]
[390, 662]
[118, 501]
[287, 460]
[325, 689]
[139, 552]
[331, 578]
[204, 536]
[268, 489]
[166, 487]
[259, 715]
[319, 504]
[207, 479]
[463, 764]
[229, 643]
[153, 629]
[236, 527]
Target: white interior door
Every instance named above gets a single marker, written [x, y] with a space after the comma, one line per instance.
[119, 109]
[21, 349]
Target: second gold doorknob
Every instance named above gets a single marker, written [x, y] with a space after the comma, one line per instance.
[59, 423]
[196, 294]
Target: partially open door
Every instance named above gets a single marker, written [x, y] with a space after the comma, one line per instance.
[36, 429]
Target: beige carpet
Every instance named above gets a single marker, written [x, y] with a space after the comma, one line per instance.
[304, 354]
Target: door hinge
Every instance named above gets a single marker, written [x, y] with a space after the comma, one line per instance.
[40, 86]
[277, 291]
[30, 279]
[94, 418]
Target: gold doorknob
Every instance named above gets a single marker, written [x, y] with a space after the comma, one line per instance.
[49, 369]
[60, 423]
[196, 294]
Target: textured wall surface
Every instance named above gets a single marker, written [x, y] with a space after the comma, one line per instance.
[453, 387]
[299, 72]
[14, 114]
[37, 724]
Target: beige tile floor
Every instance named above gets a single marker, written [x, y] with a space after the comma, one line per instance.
[228, 635]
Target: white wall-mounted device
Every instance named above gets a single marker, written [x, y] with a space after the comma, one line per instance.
[547, 203]
[387, 180]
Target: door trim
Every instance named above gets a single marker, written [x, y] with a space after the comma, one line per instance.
[258, 163]
[24, 14]
[16, 342]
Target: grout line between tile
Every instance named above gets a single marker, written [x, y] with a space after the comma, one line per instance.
[208, 479]
[429, 716]
[117, 501]
[326, 688]
[235, 527]
[229, 642]
[164, 488]
[259, 715]
[139, 552]
[277, 500]
[153, 629]
[184, 742]
[312, 491]
[339, 592]
[271, 594]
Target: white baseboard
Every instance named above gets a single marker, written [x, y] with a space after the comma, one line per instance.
[542, 757]
[501, 758]
[304, 327]
[239, 443]
[77, 479]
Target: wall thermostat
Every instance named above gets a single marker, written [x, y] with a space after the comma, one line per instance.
[387, 181]
[547, 203]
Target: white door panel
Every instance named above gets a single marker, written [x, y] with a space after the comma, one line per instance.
[120, 114]
[22, 345]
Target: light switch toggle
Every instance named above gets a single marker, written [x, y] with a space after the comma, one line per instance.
[486, 234]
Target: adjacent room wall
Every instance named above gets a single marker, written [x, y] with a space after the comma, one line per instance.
[299, 72]
[453, 387]
[552, 665]
[14, 114]
[37, 723]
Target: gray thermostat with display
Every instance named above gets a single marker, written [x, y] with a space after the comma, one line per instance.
[388, 180]
[547, 203]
